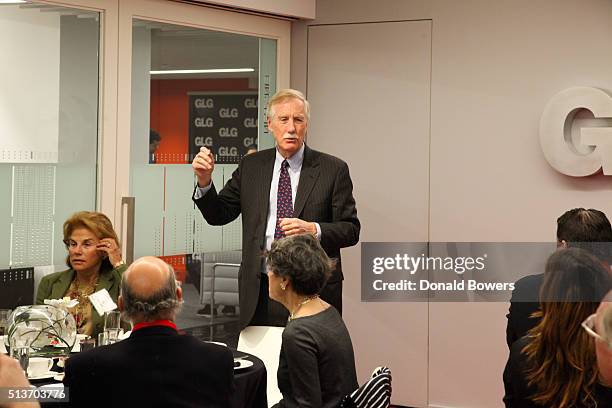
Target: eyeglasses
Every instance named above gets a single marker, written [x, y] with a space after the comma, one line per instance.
[589, 326]
[86, 245]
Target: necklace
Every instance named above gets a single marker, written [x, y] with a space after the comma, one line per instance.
[81, 291]
[302, 303]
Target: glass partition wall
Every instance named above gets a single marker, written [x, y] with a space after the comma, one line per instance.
[48, 130]
[194, 87]
[81, 94]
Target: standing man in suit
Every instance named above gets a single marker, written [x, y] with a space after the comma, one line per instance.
[579, 228]
[285, 191]
[155, 366]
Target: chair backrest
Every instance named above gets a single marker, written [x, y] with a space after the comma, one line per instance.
[219, 277]
[375, 393]
[265, 343]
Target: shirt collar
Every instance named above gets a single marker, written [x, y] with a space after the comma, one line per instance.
[166, 323]
[295, 161]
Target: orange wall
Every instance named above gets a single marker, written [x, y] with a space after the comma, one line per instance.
[170, 111]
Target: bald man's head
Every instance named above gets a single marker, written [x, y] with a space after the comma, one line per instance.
[149, 291]
[147, 275]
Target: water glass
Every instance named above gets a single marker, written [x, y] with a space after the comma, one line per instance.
[87, 344]
[112, 320]
[112, 335]
[102, 339]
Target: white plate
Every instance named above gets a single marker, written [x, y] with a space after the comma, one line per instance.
[49, 374]
[217, 343]
[52, 386]
[243, 364]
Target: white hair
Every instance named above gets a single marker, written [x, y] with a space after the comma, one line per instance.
[282, 96]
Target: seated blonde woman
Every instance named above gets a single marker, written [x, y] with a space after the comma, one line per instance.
[316, 365]
[95, 262]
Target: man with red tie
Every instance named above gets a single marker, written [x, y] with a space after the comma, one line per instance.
[284, 191]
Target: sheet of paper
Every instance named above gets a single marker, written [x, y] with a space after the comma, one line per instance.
[102, 301]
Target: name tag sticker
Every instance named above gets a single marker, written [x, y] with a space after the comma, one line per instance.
[102, 301]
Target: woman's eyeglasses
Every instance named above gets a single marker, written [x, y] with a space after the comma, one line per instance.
[589, 326]
[86, 245]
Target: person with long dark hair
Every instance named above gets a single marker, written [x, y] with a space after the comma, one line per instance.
[554, 365]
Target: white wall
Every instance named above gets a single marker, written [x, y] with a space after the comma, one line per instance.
[387, 60]
[495, 64]
[29, 92]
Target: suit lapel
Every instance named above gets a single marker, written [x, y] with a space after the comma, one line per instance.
[104, 281]
[62, 285]
[308, 178]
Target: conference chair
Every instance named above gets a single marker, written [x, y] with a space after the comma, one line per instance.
[219, 279]
[375, 393]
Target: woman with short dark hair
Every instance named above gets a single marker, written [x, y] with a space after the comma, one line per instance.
[317, 364]
[554, 364]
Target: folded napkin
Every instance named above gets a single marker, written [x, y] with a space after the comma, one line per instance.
[123, 336]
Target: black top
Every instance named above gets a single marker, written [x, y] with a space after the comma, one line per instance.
[525, 301]
[154, 367]
[317, 365]
[517, 392]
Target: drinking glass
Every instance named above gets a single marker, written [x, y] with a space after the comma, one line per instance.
[87, 344]
[112, 320]
[102, 339]
[112, 326]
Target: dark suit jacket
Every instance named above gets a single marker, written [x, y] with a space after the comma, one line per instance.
[524, 302]
[154, 367]
[324, 195]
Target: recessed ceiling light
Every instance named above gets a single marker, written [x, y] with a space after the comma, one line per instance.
[201, 71]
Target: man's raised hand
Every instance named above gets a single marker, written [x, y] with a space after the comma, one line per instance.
[203, 165]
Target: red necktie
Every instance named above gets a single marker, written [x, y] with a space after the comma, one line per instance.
[284, 202]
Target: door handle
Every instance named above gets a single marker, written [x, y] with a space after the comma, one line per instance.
[130, 204]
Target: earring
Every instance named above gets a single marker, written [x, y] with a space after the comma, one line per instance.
[282, 286]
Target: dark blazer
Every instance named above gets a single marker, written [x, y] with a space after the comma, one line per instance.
[55, 285]
[324, 195]
[524, 302]
[154, 367]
